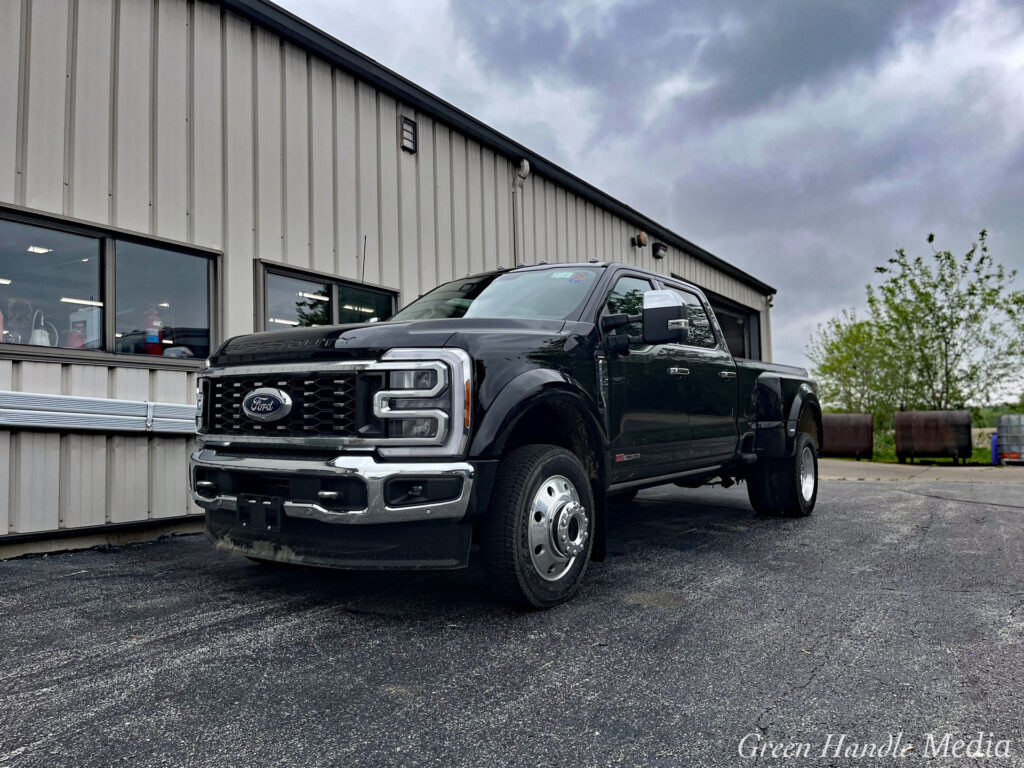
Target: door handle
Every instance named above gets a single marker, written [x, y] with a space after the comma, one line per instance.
[678, 371]
[727, 374]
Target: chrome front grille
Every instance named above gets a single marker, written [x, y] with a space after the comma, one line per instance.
[323, 405]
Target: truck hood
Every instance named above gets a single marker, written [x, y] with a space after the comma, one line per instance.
[369, 341]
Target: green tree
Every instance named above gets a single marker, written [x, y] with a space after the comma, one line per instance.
[943, 332]
[851, 366]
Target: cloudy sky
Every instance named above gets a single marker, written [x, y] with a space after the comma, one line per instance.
[802, 140]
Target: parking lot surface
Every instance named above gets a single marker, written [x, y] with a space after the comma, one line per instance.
[895, 608]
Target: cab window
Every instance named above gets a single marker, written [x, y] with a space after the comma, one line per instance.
[701, 333]
[627, 297]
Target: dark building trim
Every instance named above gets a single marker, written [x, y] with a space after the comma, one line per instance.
[317, 42]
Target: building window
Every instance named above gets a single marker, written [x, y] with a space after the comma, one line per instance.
[740, 326]
[162, 304]
[293, 302]
[408, 135]
[294, 299]
[51, 287]
[86, 290]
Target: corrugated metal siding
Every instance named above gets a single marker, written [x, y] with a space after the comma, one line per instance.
[178, 120]
[55, 480]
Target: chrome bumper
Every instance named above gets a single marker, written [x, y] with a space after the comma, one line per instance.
[373, 473]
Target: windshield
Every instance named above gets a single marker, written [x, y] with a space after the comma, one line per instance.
[544, 294]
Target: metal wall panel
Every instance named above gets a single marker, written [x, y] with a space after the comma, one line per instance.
[92, 83]
[321, 168]
[474, 208]
[387, 170]
[128, 479]
[425, 272]
[171, 111]
[266, 84]
[460, 207]
[409, 244]
[11, 57]
[444, 217]
[133, 107]
[296, 157]
[241, 218]
[83, 480]
[207, 161]
[34, 486]
[367, 183]
[44, 117]
[345, 177]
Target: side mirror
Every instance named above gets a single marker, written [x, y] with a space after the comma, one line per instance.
[664, 318]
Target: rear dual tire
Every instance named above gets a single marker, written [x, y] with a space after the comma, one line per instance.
[787, 486]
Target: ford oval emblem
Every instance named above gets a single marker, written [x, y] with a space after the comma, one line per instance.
[266, 404]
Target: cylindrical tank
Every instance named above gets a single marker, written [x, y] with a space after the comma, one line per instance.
[933, 434]
[1010, 434]
[848, 435]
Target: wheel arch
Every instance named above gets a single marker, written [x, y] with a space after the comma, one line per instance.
[544, 407]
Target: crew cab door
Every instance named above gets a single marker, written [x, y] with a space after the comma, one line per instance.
[711, 393]
[647, 415]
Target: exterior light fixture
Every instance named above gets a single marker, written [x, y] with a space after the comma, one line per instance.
[279, 321]
[659, 250]
[640, 240]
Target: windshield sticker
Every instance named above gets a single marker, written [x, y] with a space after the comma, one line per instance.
[578, 277]
[560, 275]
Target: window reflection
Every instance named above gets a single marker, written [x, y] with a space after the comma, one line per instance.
[162, 305]
[357, 305]
[293, 303]
[296, 302]
[50, 288]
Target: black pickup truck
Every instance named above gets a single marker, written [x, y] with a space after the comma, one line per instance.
[509, 408]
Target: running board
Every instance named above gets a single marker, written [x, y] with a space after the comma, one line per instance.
[650, 482]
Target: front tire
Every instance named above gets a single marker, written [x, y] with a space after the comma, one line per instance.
[536, 539]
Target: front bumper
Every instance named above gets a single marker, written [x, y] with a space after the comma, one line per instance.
[310, 503]
[272, 509]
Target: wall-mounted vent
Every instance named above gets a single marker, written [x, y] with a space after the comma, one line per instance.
[408, 135]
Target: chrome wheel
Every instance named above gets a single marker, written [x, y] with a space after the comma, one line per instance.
[558, 528]
[808, 474]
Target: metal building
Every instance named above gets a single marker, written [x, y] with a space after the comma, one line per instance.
[174, 172]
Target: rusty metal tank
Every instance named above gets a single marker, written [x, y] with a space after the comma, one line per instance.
[848, 435]
[933, 434]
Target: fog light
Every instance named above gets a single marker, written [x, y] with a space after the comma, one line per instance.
[401, 492]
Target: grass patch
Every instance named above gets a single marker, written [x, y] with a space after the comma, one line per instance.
[885, 453]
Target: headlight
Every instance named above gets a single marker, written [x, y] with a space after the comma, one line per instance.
[424, 403]
[425, 379]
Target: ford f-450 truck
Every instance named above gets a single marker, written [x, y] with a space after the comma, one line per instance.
[510, 409]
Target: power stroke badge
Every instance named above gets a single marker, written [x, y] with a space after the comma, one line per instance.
[266, 404]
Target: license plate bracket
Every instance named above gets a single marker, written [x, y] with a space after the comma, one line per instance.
[260, 513]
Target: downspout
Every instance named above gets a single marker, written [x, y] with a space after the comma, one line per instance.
[518, 225]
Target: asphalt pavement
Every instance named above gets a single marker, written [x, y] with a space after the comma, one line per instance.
[896, 610]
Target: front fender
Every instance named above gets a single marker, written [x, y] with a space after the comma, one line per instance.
[518, 397]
